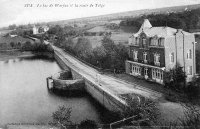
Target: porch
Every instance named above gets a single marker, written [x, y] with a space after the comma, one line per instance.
[148, 72]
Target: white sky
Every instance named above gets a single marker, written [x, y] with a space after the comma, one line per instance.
[14, 12]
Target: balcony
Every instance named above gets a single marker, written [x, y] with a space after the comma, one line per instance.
[146, 65]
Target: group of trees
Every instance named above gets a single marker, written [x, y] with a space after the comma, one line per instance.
[182, 20]
[107, 56]
[175, 79]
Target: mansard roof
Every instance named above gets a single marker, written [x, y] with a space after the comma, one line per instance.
[162, 31]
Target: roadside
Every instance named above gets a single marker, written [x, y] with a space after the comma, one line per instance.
[168, 94]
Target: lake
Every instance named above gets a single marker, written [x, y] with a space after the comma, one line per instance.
[24, 97]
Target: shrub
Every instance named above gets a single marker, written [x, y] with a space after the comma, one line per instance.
[192, 117]
[61, 117]
[175, 78]
[143, 108]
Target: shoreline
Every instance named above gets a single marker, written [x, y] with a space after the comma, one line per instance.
[4, 56]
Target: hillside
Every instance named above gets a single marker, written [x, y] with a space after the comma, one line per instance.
[125, 15]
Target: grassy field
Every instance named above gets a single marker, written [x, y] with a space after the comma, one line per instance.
[94, 40]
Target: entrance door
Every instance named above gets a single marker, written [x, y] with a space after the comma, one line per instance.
[157, 75]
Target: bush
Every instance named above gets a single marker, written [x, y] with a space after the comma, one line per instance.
[61, 117]
[175, 78]
[193, 89]
[192, 117]
[143, 108]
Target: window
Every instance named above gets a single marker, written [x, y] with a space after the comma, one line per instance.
[189, 54]
[135, 55]
[157, 59]
[157, 74]
[136, 70]
[160, 42]
[145, 57]
[146, 71]
[161, 75]
[155, 42]
[189, 70]
[153, 73]
[137, 40]
[143, 42]
[171, 57]
[151, 41]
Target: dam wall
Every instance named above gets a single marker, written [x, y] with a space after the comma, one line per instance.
[103, 96]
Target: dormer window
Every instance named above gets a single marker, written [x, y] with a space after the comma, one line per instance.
[151, 41]
[136, 40]
[160, 42]
[143, 42]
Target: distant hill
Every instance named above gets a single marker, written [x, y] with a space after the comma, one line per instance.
[129, 14]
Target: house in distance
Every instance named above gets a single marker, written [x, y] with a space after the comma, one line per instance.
[153, 50]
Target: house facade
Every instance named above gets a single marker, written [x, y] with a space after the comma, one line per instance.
[154, 50]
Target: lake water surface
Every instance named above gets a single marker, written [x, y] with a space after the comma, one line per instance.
[24, 97]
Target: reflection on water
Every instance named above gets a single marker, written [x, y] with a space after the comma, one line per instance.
[24, 96]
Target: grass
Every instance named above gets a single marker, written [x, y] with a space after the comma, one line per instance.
[94, 40]
[120, 37]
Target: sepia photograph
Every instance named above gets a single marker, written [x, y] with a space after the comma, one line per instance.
[99, 64]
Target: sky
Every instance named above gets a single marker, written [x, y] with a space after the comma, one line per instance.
[15, 12]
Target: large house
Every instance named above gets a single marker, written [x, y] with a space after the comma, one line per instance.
[39, 30]
[153, 50]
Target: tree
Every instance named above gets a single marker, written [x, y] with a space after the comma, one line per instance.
[12, 27]
[175, 78]
[83, 47]
[99, 57]
[116, 54]
[27, 46]
[68, 45]
[193, 90]
[191, 117]
[143, 108]
[61, 117]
